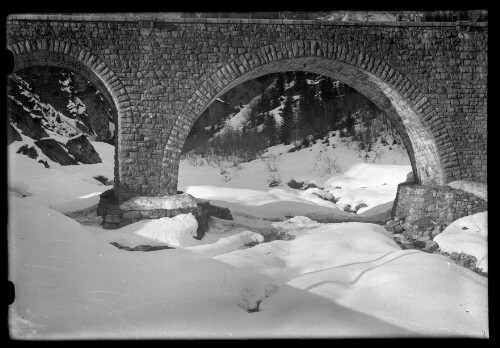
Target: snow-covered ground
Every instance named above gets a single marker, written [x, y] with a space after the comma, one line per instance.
[333, 280]
[245, 187]
[467, 235]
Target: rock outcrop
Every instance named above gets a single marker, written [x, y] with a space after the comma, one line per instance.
[29, 151]
[55, 151]
[82, 150]
[12, 134]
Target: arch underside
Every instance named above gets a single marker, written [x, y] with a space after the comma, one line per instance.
[56, 53]
[58, 60]
[416, 136]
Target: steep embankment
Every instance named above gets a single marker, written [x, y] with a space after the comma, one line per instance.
[52, 115]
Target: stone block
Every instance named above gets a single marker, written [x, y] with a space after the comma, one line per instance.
[112, 218]
[130, 215]
[110, 226]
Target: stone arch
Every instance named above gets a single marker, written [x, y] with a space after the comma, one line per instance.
[63, 54]
[430, 147]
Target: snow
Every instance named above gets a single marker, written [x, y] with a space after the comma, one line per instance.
[63, 188]
[370, 183]
[174, 231]
[468, 235]
[111, 126]
[357, 283]
[333, 280]
[475, 188]
[239, 119]
[168, 202]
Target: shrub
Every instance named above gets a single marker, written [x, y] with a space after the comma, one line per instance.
[308, 186]
[274, 178]
[306, 142]
[277, 234]
[324, 164]
[295, 185]
[326, 198]
[348, 208]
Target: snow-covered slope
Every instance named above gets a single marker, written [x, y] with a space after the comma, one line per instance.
[64, 188]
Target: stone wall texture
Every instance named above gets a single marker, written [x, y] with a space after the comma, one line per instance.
[440, 204]
[161, 74]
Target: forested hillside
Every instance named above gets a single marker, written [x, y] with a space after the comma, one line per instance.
[288, 108]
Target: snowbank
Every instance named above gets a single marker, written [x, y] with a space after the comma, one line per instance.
[467, 235]
[333, 280]
[64, 187]
[228, 244]
[368, 183]
[475, 188]
[175, 231]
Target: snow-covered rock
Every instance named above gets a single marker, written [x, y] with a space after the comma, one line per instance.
[475, 188]
[180, 201]
[175, 231]
[82, 150]
[467, 235]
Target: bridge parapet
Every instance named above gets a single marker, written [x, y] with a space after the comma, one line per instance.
[167, 18]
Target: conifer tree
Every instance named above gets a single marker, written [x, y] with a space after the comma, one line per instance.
[269, 129]
[300, 81]
[287, 121]
[280, 85]
[289, 76]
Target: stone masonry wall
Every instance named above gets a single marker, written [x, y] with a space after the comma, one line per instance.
[162, 73]
[440, 204]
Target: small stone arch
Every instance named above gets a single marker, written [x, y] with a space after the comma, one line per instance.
[430, 147]
[63, 54]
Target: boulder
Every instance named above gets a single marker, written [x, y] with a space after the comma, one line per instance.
[437, 230]
[12, 134]
[44, 163]
[29, 151]
[398, 229]
[390, 224]
[55, 151]
[420, 244]
[213, 210]
[82, 150]
[431, 246]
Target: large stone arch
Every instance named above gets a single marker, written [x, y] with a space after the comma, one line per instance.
[430, 148]
[63, 54]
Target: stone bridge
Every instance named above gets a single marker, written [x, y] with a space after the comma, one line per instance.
[161, 73]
